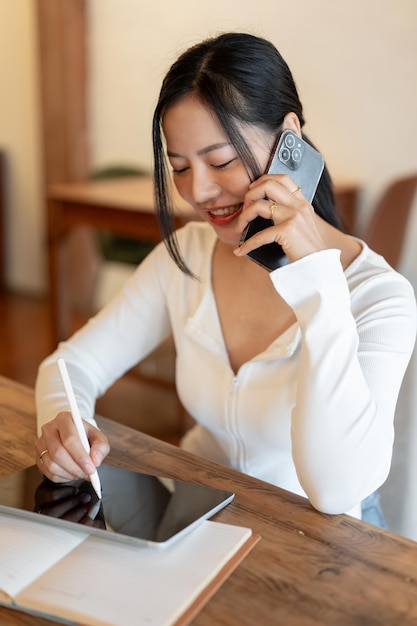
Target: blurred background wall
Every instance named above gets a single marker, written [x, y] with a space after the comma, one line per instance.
[354, 63]
[20, 139]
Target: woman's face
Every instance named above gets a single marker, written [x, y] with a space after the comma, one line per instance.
[206, 169]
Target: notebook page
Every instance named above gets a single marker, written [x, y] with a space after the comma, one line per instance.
[28, 548]
[104, 583]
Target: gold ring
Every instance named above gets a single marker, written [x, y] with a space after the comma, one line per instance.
[273, 208]
[295, 190]
[42, 454]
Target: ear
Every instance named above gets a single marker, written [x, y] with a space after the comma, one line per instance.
[291, 122]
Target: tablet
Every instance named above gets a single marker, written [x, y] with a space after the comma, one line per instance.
[135, 507]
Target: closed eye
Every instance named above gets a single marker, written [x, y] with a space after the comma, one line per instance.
[224, 165]
[220, 166]
[179, 170]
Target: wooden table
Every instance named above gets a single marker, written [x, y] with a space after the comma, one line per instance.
[124, 206]
[309, 569]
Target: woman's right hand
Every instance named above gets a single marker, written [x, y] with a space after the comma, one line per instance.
[61, 456]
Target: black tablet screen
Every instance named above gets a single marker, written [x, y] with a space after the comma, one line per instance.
[134, 506]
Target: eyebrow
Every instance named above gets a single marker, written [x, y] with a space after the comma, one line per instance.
[206, 150]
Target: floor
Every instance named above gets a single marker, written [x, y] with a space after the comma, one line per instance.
[25, 339]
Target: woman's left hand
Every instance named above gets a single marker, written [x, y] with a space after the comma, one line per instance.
[277, 197]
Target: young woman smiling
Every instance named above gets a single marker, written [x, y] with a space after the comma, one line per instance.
[291, 376]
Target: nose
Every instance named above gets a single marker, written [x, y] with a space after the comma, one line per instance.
[203, 185]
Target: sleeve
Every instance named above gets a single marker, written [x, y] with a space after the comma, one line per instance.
[356, 346]
[111, 343]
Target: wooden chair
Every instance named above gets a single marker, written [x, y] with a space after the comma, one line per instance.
[387, 226]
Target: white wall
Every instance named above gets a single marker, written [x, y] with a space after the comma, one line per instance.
[355, 63]
[19, 137]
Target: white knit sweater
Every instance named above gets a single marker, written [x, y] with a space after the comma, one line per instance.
[312, 414]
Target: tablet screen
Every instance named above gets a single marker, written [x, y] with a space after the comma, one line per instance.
[135, 506]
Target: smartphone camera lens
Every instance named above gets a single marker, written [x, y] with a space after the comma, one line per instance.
[285, 155]
[296, 155]
[289, 141]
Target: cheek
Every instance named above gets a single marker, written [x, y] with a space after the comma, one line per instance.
[237, 183]
[182, 186]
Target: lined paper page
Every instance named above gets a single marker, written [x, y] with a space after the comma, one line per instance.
[28, 548]
[104, 583]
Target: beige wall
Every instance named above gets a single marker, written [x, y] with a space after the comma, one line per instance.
[354, 62]
[19, 138]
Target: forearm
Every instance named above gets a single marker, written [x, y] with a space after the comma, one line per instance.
[348, 383]
[50, 394]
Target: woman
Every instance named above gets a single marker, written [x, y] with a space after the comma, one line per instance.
[291, 376]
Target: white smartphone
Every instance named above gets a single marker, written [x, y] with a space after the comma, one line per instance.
[295, 157]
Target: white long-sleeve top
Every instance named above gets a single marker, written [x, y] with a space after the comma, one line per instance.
[312, 414]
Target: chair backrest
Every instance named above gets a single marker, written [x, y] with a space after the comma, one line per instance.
[387, 225]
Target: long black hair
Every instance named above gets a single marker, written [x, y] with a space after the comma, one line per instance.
[240, 78]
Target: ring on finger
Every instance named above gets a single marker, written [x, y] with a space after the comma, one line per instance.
[295, 190]
[42, 454]
[273, 208]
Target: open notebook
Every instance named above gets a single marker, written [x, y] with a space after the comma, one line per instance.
[83, 578]
[161, 560]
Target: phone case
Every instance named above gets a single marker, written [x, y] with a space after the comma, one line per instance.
[300, 161]
[295, 157]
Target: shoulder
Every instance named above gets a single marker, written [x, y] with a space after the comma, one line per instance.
[377, 289]
[370, 268]
[196, 242]
[194, 235]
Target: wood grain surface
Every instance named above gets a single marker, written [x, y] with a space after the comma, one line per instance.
[308, 569]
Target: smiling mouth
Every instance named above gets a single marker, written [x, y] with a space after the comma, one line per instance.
[225, 211]
[225, 215]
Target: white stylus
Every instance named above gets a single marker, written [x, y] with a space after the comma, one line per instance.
[95, 480]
